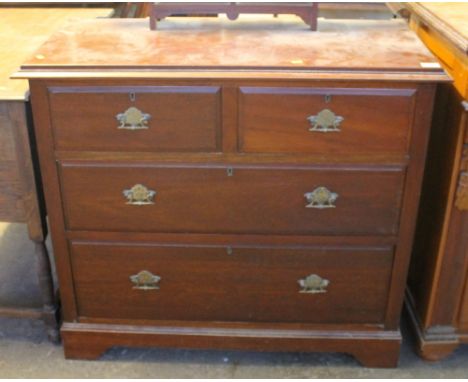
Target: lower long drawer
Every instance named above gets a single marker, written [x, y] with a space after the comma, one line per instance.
[260, 284]
[240, 199]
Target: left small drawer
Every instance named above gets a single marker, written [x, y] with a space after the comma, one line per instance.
[136, 118]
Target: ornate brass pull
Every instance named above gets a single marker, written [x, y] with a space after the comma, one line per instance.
[321, 198]
[139, 195]
[145, 280]
[133, 119]
[325, 121]
[313, 284]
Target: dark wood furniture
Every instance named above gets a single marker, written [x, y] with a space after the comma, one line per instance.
[204, 194]
[21, 199]
[308, 12]
[437, 297]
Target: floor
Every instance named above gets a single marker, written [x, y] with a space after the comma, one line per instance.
[25, 351]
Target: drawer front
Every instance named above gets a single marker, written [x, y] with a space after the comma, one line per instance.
[325, 120]
[238, 284]
[149, 118]
[263, 199]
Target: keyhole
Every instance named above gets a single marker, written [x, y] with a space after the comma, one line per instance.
[230, 171]
[229, 250]
[132, 97]
[328, 98]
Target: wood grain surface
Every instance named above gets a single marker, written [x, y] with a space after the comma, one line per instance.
[448, 18]
[256, 284]
[182, 118]
[255, 199]
[437, 297]
[253, 202]
[23, 30]
[276, 120]
[381, 45]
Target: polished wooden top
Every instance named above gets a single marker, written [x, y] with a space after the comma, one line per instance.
[254, 46]
[22, 31]
[449, 19]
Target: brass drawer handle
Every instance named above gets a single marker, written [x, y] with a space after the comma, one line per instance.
[321, 198]
[313, 284]
[324, 122]
[145, 280]
[133, 119]
[139, 195]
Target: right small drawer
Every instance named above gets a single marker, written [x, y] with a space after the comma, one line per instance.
[325, 120]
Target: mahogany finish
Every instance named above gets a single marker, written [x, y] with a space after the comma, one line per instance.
[243, 284]
[204, 198]
[375, 120]
[229, 240]
[92, 112]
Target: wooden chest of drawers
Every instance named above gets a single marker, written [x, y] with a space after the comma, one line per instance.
[239, 203]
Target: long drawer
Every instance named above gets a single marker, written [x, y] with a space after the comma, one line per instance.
[136, 118]
[354, 121]
[177, 282]
[239, 199]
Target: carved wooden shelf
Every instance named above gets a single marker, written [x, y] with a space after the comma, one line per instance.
[306, 11]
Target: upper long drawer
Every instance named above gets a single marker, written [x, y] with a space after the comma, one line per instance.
[257, 199]
[325, 120]
[136, 118]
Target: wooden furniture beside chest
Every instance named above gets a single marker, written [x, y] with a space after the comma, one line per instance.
[205, 195]
[438, 284]
[23, 31]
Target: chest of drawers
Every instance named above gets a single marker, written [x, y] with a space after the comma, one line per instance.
[205, 196]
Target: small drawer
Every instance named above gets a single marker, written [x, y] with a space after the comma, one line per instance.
[176, 282]
[142, 118]
[240, 199]
[325, 121]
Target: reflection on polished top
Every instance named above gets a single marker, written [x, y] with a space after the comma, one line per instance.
[252, 43]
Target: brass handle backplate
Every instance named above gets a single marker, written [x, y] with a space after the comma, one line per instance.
[139, 195]
[133, 119]
[325, 121]
[313, 284]
[321, 198]
[145, 280]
